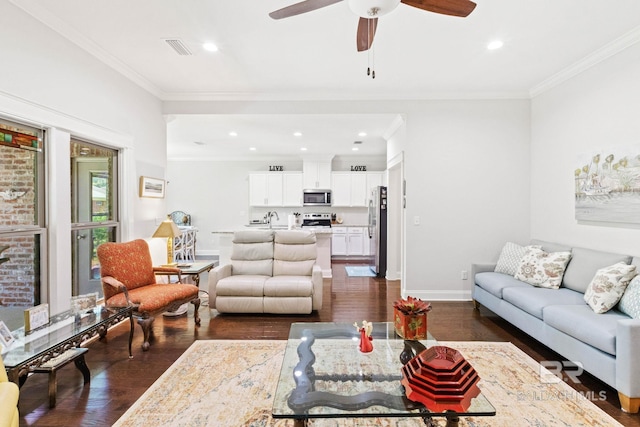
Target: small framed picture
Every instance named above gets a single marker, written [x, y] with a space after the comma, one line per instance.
[36, 317]
[83, 303]
[5, 335]
[151, 187]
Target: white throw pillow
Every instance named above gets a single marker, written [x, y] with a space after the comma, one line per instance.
[542, 269]
[608, 286]
[510, 257]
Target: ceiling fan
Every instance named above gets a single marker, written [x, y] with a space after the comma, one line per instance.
[370, 10]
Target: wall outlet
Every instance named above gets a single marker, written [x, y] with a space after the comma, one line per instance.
[464, 275]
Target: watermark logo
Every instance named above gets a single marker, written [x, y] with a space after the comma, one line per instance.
[554, 371]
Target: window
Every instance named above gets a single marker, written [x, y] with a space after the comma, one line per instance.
[22, 232]
[94, 210]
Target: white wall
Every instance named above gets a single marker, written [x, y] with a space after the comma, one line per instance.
[47, 81]
[467, 173]
[594, 110]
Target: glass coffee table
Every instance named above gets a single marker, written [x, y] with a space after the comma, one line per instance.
[324, 375]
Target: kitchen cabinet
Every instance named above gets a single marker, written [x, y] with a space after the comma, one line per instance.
[292, 189]
[349, 189]
[348, 241]
[375, 179]
[316, 175]
[266, 189]
[355, 241]
[339, 241]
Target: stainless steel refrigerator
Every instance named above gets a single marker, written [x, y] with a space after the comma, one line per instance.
[378, 230]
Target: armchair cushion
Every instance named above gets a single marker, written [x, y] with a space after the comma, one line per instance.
[154, 297]
[129, 262]
[252, 252]
[294, 253]
[288, 286]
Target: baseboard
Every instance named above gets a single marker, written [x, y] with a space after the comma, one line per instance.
[444, 295]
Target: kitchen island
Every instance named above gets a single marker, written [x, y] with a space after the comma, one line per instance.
[323, 243]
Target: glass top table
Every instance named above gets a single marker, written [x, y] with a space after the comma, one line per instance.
[64, 331]
[324, 375]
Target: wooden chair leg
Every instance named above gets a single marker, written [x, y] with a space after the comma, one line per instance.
[146, 323]
[196, 315]
[629, 404]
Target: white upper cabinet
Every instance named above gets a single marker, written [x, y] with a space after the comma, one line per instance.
[352, 188]
[316, 175]
[292, 188]
[341, 189]
[375, 179]
[359, 189]
[266, 189]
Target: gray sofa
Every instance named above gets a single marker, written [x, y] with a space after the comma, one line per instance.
[270, 272]
[607, 345]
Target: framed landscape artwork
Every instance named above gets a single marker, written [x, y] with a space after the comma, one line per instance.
[151, 187]
[607, 186]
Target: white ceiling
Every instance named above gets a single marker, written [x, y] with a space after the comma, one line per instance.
[417, 55]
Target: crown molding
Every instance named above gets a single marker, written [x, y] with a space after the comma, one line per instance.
[340, 96]
[607, 51]
[35, 9]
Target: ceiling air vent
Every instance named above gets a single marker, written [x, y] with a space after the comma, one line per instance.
[178, 46]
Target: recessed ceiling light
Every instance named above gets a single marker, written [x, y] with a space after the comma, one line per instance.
[354, 149]
[232, 133]
[252, 148]
[303, 149]
[210, 47]
[297, 134]
[496, 44]
[362, 134]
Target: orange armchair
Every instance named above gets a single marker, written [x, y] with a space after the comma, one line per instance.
[129, 279]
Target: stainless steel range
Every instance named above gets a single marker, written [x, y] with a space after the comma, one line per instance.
[316, 220]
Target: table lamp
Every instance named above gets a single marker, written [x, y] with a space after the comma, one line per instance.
[169, 230]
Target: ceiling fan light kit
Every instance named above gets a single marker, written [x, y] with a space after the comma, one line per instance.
[372, 8]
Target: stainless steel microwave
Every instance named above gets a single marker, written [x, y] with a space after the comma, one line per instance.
[316, 198]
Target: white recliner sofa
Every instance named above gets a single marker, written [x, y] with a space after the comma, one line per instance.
[270, 272]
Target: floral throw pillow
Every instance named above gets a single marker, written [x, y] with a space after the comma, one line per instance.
[542, 269]
[510, 257]
[608, 286]
[630, 301]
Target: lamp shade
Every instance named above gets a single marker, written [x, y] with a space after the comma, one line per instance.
[167, 228]
[372, 8]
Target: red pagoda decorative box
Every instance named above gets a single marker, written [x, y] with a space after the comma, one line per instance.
[410, 326]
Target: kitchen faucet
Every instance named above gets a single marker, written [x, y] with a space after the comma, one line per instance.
[270, 215]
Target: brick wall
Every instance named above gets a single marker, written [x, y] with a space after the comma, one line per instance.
[19, 276]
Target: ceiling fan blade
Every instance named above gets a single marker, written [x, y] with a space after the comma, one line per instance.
[446, 7]
[366, 32]
[302, 7]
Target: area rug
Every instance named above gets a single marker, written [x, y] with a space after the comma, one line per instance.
[231, 383]
[359, 271]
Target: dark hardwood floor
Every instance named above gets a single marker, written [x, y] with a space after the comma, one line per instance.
[117, 381]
